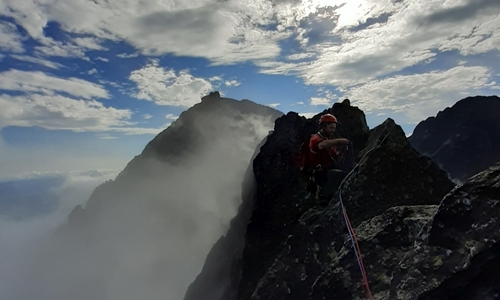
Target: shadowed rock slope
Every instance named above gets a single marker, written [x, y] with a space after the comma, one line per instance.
[421, 237]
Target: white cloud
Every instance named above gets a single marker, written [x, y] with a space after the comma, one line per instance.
[17, 236]
[147, 116]
[273, 105]
[232, 83]
[317, 101]
[300, 103]
[420, 95]
[10, 39]
[89, 43]
[125, 55]
[182, 221]
[102, 59]
[60, 112]
[136, 130]
[412, 34]
[43, 62]
[215, 78]
[171, 117]
[225, 32]
[299, 56]
[83, 174]
[366, 39]
[106, 136]
[44, 103]
[165, 87]
[93, 71]
[52, 47]
[35, 81]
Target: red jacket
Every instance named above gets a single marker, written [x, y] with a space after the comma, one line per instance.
[323, 157]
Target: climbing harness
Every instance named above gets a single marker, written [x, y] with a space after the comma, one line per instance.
[350, 230]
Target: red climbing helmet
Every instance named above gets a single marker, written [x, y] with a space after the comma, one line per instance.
[327, 118]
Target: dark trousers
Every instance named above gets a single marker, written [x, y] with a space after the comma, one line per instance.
[329, 180]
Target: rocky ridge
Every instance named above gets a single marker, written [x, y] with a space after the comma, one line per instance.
[421, 236]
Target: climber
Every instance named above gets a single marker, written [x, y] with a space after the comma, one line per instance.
[327, 154]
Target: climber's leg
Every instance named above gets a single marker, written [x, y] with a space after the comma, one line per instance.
[333, 179]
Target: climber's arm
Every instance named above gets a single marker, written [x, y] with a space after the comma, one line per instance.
[332, 143]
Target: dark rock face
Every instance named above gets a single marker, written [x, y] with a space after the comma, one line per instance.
[295, 250]
[464, 139]
[409, 252]
[277, 204]
[281, 189]
[317, 262]
[352, 124]
[392, 173]
[420, 237]
[466, 225]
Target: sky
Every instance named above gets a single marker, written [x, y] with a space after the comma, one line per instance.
[85, 85]
[96, 80]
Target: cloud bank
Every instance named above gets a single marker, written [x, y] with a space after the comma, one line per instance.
[148, 237]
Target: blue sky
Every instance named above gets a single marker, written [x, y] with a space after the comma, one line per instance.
[84, 85]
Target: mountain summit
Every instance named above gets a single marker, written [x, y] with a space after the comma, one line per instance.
[145, 234]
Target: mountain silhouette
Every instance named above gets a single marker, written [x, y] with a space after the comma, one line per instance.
[463, 139]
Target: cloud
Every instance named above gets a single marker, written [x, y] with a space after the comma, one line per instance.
[61, 193]
[171, 117]
[224, 32]
[147, 116]
[89, 43]
[300, 103]
[51, 47]
[10, 39]
[320, 101]
[273, 105]
[364, 40]
[215, 78]
[407, 38]
[136, 130]
[125, 55]
[165, 87]
[43, 62]
[60, 112]
[36, 81]
[419, 95]
[106, 136]
[299, 56]
[61, 104]
[231, 83]
[462, 12]
[102, 59]
[93, 71]
[158, 230]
